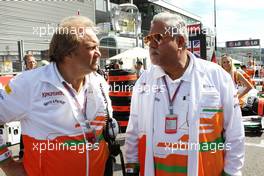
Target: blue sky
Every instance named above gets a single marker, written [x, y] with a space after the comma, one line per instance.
[236, 19]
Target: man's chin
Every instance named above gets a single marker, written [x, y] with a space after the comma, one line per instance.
[94, 68]
[90, 70]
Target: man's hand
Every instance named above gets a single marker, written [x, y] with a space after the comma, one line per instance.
[13, 168]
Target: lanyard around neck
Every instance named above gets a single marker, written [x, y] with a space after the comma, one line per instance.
[171, 100]
[73, 95]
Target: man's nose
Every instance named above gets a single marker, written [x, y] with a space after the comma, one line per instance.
[97, 52]
[153, 44]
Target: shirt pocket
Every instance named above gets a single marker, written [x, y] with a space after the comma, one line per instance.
[210, 99]
[210, 104]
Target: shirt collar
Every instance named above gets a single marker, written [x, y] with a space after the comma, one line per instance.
[61, 79]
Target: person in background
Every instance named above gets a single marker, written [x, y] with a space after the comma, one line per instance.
[181, 106]
[244, 68]
[116, 66]
[251, 68]
[243, 71]
[241, 83]
[139, 68]
[30, 62]
[61, 107]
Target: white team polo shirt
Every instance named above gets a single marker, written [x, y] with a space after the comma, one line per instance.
[180, 107]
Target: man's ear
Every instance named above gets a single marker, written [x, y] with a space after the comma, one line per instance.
[72, 54]
[180, 42]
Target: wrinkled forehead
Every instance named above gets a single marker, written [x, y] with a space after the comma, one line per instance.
[85, 34]
[90, 36]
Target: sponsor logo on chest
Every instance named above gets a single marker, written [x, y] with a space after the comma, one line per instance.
[52, 94]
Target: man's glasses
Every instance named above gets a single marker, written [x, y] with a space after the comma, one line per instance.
[157, 38]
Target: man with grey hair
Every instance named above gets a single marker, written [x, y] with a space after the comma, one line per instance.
[61, 107]
[30, 62]
[185, 118]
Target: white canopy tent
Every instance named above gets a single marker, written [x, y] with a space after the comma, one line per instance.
[130, 57]
[236, 62]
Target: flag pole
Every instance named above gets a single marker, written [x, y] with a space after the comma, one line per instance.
[215, 24]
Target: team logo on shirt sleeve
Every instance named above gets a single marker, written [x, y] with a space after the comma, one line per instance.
[8, 90]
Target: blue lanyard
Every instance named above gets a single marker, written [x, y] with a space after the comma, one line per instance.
[171, 100]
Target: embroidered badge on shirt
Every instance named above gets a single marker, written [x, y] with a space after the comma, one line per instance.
[50, 102]
[8, 89]
[51, 94]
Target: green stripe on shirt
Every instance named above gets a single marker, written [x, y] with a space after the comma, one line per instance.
[212, 110]
[171, 169]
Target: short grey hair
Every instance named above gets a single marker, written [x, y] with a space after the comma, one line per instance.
[173, 21]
